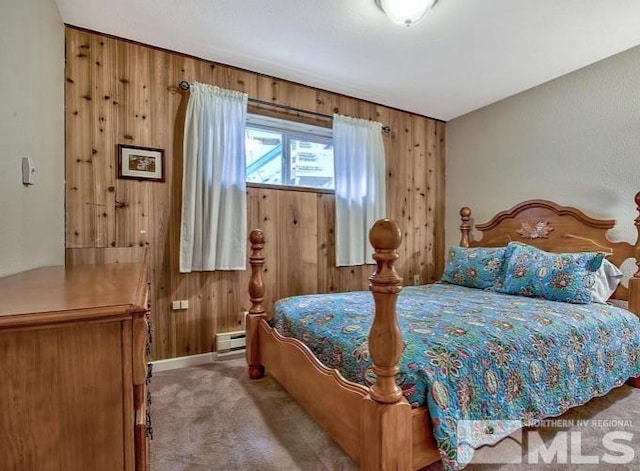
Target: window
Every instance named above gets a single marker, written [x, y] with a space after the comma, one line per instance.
[287, 153]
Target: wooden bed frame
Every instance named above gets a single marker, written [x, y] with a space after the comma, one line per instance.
[376, 426]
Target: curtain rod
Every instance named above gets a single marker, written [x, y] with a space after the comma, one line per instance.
[184, 85]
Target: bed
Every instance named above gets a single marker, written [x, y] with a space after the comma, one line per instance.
[370, 415]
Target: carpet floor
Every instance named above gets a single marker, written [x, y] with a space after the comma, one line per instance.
[214, 417]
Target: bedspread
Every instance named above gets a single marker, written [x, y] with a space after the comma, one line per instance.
[475, 355]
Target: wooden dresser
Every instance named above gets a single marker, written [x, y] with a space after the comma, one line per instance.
[73, 368]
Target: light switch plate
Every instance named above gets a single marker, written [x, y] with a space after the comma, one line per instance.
[28, 171]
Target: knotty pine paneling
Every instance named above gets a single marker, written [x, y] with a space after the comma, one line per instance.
[119, 92]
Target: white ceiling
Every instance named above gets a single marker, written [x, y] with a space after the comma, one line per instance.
[464, 55]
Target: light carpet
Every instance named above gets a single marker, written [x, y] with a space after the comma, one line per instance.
[214, 417]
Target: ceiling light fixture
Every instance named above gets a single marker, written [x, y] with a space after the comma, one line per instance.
[405, 12]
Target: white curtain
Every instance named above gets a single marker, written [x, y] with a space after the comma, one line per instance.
[214, 202]
[360, 186]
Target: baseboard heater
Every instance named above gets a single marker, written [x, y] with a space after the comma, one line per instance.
[229, 343]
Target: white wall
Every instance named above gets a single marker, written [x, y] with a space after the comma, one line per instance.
[31, 125]
[574, 140]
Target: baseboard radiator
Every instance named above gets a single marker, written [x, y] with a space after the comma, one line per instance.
[230, 343]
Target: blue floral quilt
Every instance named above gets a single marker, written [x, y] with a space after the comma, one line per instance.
[472, 354]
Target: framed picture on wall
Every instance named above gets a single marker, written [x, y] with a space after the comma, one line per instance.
[140, 163]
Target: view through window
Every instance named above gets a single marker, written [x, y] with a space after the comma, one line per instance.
[281, 152]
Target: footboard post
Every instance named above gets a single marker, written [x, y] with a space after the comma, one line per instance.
[386, 441]
[256, 313]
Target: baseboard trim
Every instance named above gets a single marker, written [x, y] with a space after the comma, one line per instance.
[194, 360]
[183, 362]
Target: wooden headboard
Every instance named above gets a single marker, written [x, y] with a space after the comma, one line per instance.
[555, 228]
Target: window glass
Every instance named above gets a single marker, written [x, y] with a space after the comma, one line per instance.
[312, 163]
[263, 156]
[281, 152]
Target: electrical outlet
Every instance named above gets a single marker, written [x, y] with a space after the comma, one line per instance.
[180, 305]
[416, 280]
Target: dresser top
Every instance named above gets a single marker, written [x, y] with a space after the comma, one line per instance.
[63, 294]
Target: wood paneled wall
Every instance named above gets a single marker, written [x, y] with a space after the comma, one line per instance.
[119, 92]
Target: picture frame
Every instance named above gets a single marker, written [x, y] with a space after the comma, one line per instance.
[140, 163]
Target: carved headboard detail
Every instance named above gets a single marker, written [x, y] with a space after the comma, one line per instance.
[551, 227]
[535, 230]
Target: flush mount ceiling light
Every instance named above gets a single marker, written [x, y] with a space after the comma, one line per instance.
[405, 12]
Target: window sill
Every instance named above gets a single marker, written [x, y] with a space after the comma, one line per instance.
[305, 189]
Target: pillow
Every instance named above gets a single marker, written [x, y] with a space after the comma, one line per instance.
[608, 277]
[477, 267]
[567, 277]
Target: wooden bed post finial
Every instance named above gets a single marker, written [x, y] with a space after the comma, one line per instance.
[385, 338]
[256, 312]
[465, 226]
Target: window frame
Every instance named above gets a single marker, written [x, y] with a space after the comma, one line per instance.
[290, 130]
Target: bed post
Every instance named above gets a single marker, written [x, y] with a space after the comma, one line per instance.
[465, 227]
[387, 441]
[256, 313]
[634, 282]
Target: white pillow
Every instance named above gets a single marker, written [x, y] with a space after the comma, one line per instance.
[608, 277]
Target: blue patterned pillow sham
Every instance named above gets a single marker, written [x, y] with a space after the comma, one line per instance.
[567, 277]
[477, 267]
